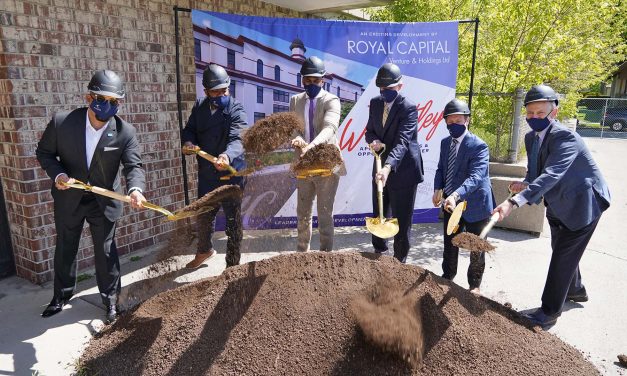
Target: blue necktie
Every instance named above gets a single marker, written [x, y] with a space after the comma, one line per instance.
[533, 159]
[312, 105]
[452, 155]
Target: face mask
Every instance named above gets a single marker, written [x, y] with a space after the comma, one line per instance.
[103, 110]
[389, 95]
[539, 125]
[312, 90]
[456, 130]
[220, 102]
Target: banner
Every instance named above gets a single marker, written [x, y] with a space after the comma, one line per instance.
[263, 57]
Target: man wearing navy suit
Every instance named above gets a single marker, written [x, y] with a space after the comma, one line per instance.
[463, 175]
[393, 122]
[89, 144]
[560, 168]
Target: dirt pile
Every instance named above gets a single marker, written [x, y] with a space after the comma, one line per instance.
[290, 315]
[269, 133]
[322, 156]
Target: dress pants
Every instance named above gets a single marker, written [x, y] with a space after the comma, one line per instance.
[206, 227]
[564, 276]
[399, 204]
[323, 188]
[69, 227]
[451, 253]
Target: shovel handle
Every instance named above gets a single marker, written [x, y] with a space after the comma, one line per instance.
[488, 227]
[110, 194]
[213, 159]
[377, 161]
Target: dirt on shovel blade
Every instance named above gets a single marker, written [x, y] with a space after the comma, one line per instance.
[213, 198]
[472, 243]
[322, 156]
[291, 315]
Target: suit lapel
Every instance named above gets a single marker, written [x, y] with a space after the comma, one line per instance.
[79, 131]
[461, 153]
[544, 149]
[107, 136]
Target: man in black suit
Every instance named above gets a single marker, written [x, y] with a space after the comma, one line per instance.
[89, 144]
[393, 123]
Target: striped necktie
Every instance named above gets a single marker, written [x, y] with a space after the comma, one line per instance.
[533, 159]
[386, 112]
[452, 155]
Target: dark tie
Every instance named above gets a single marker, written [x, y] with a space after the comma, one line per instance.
[312, 108]
[533, 159]
[452, 154]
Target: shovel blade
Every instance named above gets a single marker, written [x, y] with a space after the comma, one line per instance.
[386, 229]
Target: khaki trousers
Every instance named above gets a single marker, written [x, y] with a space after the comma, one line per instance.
[324, 188]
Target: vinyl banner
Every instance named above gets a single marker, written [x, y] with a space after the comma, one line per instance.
[263, 57]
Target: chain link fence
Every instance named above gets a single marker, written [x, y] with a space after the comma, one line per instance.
[602, 117]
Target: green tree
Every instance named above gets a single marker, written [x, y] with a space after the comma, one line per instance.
[568, 44]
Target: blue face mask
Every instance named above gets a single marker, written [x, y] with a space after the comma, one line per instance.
[221, 102]
[103, 110]
[455, 129]
[389, 95]
[312, 90]
[539, 125]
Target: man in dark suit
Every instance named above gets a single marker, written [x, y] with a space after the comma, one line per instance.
[89, 144]
[560, 168]
[463, 175]
[393, 122]
[214, 126]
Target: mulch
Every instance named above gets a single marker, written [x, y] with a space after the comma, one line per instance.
[322, 156]
[297, 314]
[271, 132]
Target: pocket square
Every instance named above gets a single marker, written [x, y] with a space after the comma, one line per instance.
[109, 148]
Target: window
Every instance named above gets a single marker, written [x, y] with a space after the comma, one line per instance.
[277, 73]
[259, 116]
[259, 94]
[298, 79]
[230, 58]
[327, 86]
[259, 68]
[355, 96]
[232, 88]
[280, 108]
[338, 91]
[197, 53]
[281, 96]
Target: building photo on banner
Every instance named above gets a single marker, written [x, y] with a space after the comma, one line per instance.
[263, 57]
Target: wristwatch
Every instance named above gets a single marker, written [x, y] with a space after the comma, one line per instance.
[512, 201]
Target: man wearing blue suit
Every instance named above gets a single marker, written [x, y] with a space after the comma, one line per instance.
[392, 123]
[463, 175]
[560, 168]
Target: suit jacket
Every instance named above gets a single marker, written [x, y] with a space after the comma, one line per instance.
[62, 150]
[471, 176]
[400, 138]
[326, 118]
[216, 134]
[569, 180]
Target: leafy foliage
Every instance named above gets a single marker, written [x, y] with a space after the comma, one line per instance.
[568, 44]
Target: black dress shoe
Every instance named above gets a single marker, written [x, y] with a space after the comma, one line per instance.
[55, 306]
[112, 314]
[579, 296]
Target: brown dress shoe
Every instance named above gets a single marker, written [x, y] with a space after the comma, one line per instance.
[199, 259]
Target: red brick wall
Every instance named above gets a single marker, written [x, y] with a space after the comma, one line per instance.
[49, 49]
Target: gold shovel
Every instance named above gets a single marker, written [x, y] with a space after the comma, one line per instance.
[232, 171]
[380, 226]
[117, 196]
[314, 172]
[453, 221]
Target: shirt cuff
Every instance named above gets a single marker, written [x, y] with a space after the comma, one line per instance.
[133, 189]
[520, 200]
[56, 177]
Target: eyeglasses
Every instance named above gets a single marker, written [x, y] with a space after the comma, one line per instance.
[101, 99]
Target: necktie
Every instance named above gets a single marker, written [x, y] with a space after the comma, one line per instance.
[533, 159]
[452, 155]
[386, 112]
[312, 107]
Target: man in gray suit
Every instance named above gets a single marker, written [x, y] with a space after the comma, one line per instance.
[320, 111]
[89, 144]
[560, 168]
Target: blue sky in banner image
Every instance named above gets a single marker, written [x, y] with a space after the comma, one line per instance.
[353, 49]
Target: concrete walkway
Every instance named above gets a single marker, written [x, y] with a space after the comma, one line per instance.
[515, 273]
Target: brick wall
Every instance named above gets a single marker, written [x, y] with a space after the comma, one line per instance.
[49, 49]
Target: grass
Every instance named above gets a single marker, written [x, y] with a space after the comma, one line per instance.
[83, 277]
[136, 258]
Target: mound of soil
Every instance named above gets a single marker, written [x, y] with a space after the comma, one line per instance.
[290, 315]
[269, 133]
[472, 243]
[322, 156]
